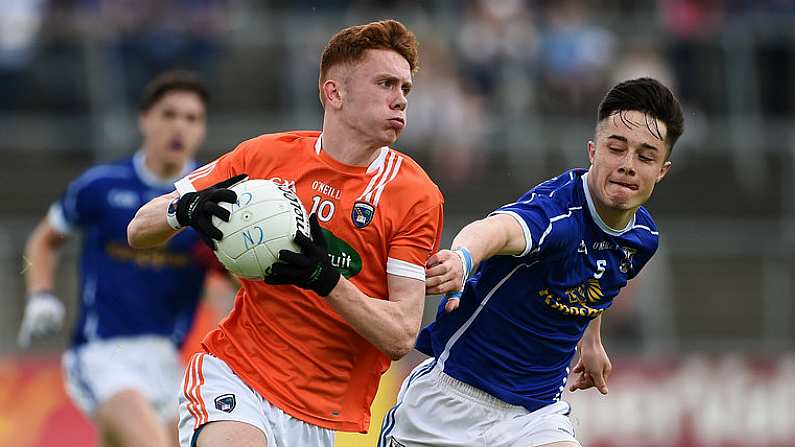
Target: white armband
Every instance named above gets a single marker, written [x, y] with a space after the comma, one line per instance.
[171, 215]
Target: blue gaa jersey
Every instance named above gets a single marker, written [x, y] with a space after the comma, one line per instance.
[123, 291]
[520, 318]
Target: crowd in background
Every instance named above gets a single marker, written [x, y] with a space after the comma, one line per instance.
[516, 81]
[486, 60]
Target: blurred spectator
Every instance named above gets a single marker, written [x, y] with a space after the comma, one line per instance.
[773, 53]
[150, 36]
[690, 19]
[20, 21]
[575, 59]
[695, 52]
[491, 32]
[642, 59]
[767, 9]
[446, 118]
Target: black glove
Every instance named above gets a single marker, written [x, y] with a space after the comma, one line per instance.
[311, 269]
[195, 209]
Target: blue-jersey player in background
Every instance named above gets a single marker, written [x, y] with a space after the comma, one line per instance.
[122, 367]
[545, 268]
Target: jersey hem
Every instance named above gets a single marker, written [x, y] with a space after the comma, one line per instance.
[345, 426]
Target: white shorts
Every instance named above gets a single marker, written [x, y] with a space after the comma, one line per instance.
[211, 391]
[434, 409]
[98, 370]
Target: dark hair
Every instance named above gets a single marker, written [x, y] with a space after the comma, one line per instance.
[349, 45]
[651, 97]
[176, 80]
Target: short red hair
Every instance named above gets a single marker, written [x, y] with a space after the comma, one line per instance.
[349, 45]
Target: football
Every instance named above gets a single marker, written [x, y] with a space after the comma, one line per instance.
[263, 221]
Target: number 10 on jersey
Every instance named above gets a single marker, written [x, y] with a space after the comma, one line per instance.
[323, 208]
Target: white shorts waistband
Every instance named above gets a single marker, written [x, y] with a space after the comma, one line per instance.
[473, 393]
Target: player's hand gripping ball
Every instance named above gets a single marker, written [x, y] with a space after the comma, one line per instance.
[263, 221]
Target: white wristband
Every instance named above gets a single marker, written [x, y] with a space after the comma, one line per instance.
[171, 215]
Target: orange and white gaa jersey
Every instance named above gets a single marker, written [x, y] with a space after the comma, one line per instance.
[289, 344]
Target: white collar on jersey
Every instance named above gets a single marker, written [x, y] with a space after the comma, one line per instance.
[370, 169]
[150, 179]
[597, 218]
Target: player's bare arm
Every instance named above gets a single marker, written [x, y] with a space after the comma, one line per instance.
[150, 228]
[499, 234]
[44, 312]
[41, 257]
[390, 325]
[161, 218]
[593, 366]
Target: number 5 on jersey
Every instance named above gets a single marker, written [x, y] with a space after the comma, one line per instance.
[600, 268]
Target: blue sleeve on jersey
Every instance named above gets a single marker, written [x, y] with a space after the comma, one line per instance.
[82, 202]
[544, 225]
[647, 238]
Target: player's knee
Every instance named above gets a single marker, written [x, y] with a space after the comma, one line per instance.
[171, 431]
[218, 434]
[129, 419]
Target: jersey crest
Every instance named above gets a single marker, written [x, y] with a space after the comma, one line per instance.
[626, 265]
[362, 214]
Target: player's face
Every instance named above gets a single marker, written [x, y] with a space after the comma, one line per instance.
[374, 96]
[627, 159]
[173, 128]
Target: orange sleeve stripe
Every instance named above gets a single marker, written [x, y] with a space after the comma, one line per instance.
[202, 172]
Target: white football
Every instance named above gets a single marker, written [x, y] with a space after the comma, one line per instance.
[263, 221]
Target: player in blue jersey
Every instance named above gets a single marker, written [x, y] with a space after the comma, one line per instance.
[543, 268]
[122, 367]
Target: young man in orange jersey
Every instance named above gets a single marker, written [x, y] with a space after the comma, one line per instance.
[294, 362]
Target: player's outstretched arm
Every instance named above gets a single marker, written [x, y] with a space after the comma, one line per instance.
[499, 234]
[593, 366]
[44, 312]
[150, 228]
[163, 216]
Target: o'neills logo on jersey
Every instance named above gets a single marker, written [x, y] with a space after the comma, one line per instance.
[298, 209]
[283, 182]
[343, 257]
[362, 214]
[577, 300]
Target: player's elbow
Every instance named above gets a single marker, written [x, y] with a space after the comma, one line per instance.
[401, 347]
[132, 234]
[135, 235]
[396, 354]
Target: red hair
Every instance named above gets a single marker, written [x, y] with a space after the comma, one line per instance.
[349, 45]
